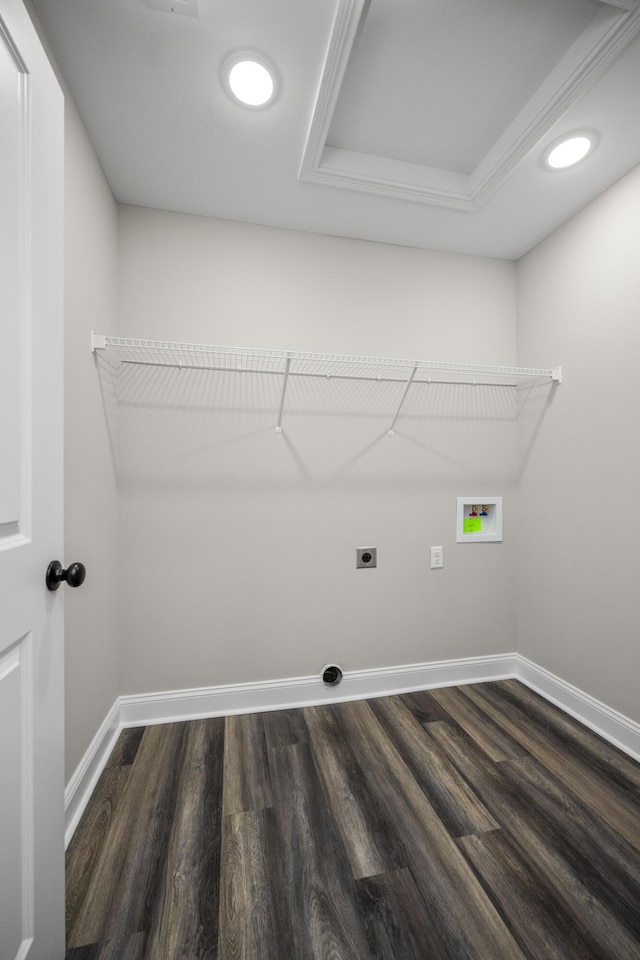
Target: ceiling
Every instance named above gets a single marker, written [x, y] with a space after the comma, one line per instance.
[416, 122]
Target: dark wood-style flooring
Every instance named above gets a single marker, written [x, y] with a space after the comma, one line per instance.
[471, 822]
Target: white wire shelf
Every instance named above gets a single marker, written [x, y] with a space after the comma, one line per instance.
[291, 363]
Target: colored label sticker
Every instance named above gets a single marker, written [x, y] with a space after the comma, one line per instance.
[471, 525]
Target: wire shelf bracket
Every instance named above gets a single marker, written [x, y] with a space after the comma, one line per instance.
[287, 369]
[404, 397]
[289, 363]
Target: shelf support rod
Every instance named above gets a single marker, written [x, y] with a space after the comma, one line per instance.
[404, 397]
[284, 391]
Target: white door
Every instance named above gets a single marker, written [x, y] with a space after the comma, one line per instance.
[31, 651]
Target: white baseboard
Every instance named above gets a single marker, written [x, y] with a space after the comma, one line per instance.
[225, 700]
[85, 777]
[619, 730]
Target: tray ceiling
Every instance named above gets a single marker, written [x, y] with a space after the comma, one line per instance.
[405, 97]
[419, 122]
[441, 103]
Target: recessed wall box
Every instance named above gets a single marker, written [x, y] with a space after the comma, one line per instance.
[479, 519]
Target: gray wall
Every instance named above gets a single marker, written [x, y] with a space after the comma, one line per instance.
[91, 504]
[237, 544]
[578, 571]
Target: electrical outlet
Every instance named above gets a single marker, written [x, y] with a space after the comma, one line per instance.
[437, 558]
[366, 557]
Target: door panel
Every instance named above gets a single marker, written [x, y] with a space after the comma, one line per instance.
[12, 202]
[31, 624]
[16, 804]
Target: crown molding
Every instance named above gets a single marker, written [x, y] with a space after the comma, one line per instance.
[588, 57]
[391, 178]
[585, 61]
[348, 23]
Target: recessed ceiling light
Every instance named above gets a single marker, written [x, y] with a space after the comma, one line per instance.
[250, 80]
[571, 149]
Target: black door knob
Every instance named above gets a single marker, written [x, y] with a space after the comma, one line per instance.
[74, 574]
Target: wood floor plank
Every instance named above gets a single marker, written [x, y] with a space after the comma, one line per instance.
[284, 727]
[621, 809]
[134, 856]
[470, 823]
[370, 847]
[464, 921]
[247, 778]
[254, 921]
[458, 807]
[619, 769]
[319, 887]
[535, 839]
[424, 706]
[397, 922]
[125, 948]
[605, 862]
[90, 838]
[184, 919]
[93, 830]
[125, 747]
[539, 923]
[87, 952]
[495, 741]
